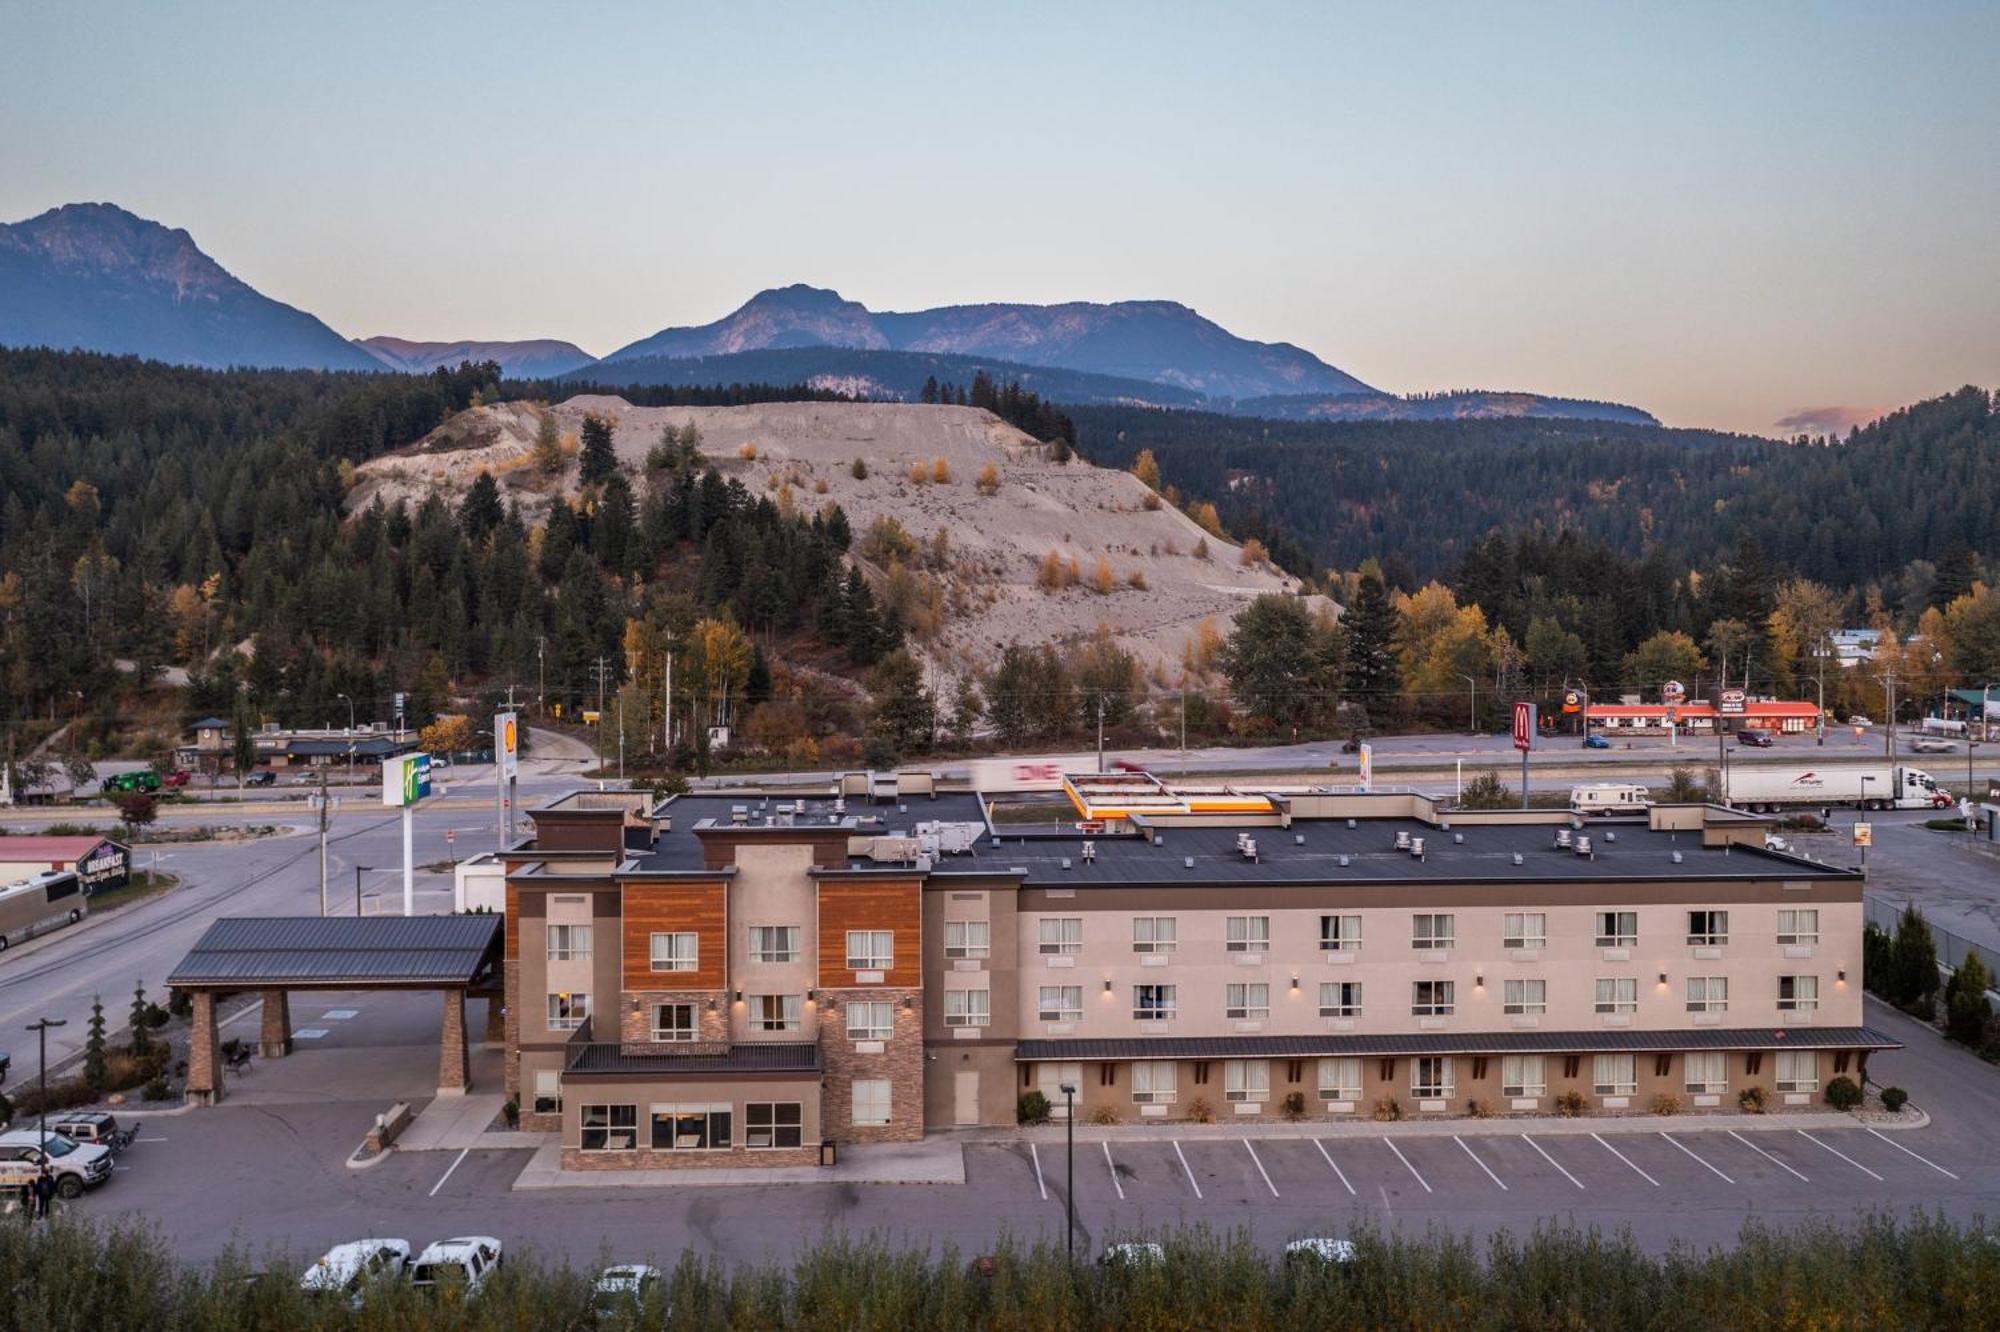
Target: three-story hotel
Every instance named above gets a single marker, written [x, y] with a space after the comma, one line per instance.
[738, 978]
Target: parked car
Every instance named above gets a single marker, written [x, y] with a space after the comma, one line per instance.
[262, 777]
[465, 1263]
[306, 778]
[1320, 1250]
[92, 1127]
[178, 777]
[76, 1168]
[1138, 1254]
[626, 1286]
[1596, 742]
[348, 1269]
[1753, 738]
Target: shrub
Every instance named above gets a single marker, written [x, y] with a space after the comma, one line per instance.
[157, 1090]
[747, 451]
[859, 471]
[1388, 1110]
[989, 480]
[180, 1003]
[1842, 1093]
[157, 1017]
[1571, 1105]
[510, 1110]
[919, 474]
[1199, 1111]
[1031, 1107]
[6, 1110]
[940, 471]
[1479, 1108]
[1751, 1099]
[1103, 1114]
[1666, 1103]
[1966, 1007]
[1293, 1107]
[1894, 1099]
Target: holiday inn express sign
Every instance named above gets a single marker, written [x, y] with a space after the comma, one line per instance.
[406, 779]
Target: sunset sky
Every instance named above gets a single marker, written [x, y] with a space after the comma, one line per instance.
[1732, 215]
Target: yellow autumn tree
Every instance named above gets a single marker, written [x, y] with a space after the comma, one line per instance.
[1147, 469]
[989, 480]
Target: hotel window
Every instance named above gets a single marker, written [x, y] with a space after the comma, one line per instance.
[1618, 995]
[1155, 934]
[1707, 1072]
[870, 1020]
[1614, 1075]
[1617, 929]
[870, 950]
[1060, 1003]
[773, 1124]
[776, 1012]
[967, 1008]
[1340, 1079]
[690, 1128]
[1798, 926]
[1708, 994]
[1432, 998]
[1523, 1075]
[569, 943]
[675, 1022]
[871, 1102]
[1153, 1082]
[1247, 1001]
[1798, 1070]
[1524, 929]
[1525, 997]
[1061, 936]
[1155, 1003]
[1248, 934]
[1339, 934]
[610, 1128]
[968, 938]
[774, 943]
[1246, 1080]
[1430, 1076]
[1798, 994]
[548, 1091]
[1708, 929]
[1340, 999]
[568, 1010]
[1051, 1077]
[1433, 931]
[676, 952]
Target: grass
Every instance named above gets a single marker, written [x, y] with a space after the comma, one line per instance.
[142, 885]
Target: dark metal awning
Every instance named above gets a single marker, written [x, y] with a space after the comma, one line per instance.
[791, 1057]
[1455, 1043]
[341, 952]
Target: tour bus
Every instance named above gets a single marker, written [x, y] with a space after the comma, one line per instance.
[38, 905]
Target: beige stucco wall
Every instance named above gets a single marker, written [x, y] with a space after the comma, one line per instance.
[771, 887]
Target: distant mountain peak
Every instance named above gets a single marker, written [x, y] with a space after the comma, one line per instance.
[532, 358]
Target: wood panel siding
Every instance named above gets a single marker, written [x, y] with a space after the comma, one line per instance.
[677, 908]
[871, 904]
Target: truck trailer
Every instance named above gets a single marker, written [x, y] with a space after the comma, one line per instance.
[1863, 786]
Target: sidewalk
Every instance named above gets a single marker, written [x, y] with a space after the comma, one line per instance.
[932, 1161]
[451, 1123]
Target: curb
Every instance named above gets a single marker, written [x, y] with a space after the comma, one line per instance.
[358, 1163]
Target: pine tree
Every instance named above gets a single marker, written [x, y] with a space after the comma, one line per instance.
[1966, 1007]
[142, 1026]
[864, 624]
[548, 445]
[1913, 972]
[481, 512]
[930, 393]
[1373, 678]
[597, 461]
[96, 1068]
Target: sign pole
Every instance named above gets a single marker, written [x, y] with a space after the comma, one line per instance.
[409, 862]
[1524, 740]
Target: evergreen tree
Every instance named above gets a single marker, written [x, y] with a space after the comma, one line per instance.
[481, 512]
[905, 713]
[96, 1068]
[866, 635]
[1373, 676]
[930, 390]
[1966, 1007]
[597, 462]
[1007, 690]
[142, 1026]
[547, 452]
[1913, 975]
[1273, 659]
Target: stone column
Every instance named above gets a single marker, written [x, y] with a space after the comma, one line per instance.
[204, 1083]
[275, 1042]
[496, 1020]
[454, 1062]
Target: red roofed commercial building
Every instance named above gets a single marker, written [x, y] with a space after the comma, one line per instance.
[1786, 718]
[100, 863]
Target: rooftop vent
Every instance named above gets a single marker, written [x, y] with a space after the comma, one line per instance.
[1249, 848]
[1417, 847]
[1089, 852]
[1187, 862]
[1065, 861]
[1610, 836]
[1298, 839]
[1403, 841]
[1562, 838]
[1677, 857]
[1350, 823]
[1458, 839]
[1344, 862]
[1583, 846]
[1517, 858]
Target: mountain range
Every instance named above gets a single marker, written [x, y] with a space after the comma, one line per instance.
[96, 277]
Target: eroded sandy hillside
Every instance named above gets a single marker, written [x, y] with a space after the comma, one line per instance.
[994, 544]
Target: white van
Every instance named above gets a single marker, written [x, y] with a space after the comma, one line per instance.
[1610, 798]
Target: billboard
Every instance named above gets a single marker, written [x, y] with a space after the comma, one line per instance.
[1367, 767]
[1016, 775]
[1730, 702]
[406, 779]
[1524, 726]
[507, 744]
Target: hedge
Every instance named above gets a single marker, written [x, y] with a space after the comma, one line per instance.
[1879, 1272]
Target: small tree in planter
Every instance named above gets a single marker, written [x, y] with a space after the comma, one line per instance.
[1842, 1093]
[1293, 1108]
[96, 1070]
[1200, 1112]
[1966, 1007]
[1031, 1107]
[1479, 1109]
[1571, 1105]
[511, 1110]
[1751, 1099]
[1388, 1110]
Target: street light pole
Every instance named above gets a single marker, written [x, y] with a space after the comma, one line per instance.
[1472, 703]
[1069, 1181]
[358, 871]
[41, 1029]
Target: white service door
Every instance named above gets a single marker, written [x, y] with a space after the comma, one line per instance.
[965, 1098]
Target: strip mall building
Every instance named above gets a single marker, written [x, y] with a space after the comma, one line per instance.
[736, 978]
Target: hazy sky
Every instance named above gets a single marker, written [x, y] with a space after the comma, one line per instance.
[1725, 214]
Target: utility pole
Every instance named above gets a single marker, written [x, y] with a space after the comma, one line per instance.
[541, 677]
[322, 841]
[1100, 734]
[667, 692]
[1826, 646]
[621, 737]
[1889, 732]
[1183, 723]
[358, 870]
[601, 668]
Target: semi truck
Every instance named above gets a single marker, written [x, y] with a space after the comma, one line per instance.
[1864, 786]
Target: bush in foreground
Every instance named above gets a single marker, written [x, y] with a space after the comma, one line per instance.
[1923, 1272]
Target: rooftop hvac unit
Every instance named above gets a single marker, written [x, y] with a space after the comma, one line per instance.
[1298, 839]
[1610, 836]
[1249, 848]
[1403, 841]
[1562, 838]
[1518, 858]
[1344, 862]
[1187, 862]
[1677, 857]
[1089, 852]
[1417, 847]
[1065, 861]
[1583, 845]
[1350, 823]
[739, 814]
[1458, 839]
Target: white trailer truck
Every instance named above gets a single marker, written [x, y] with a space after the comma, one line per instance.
[1864, 786]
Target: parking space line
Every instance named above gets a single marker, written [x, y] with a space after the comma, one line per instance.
[1626, 1159]
[1711, 1169]
[447, 1171]
[1112, 1166]
[1184, 1167]
[149, 1139]
[1407, 1166]
[1337, 1172]
[1842, 1155]
[1476, 1161]
[1907, 1152]
[1552, 1160]
[1249, 1147]
[1039, 1182]
[1766, 1155]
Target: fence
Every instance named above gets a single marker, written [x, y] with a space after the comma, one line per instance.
[1885, 915]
